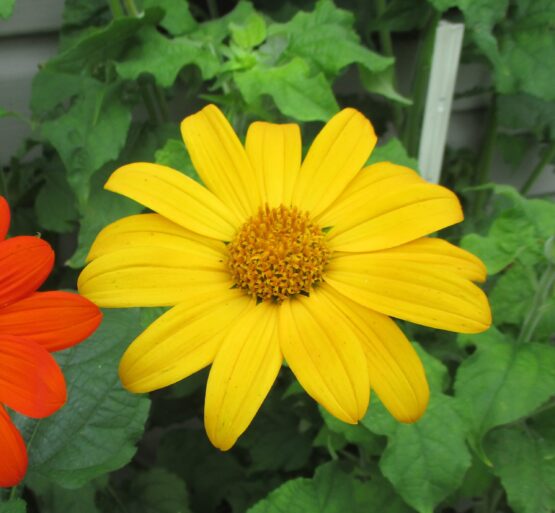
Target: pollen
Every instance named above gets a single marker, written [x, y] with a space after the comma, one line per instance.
[278, 253]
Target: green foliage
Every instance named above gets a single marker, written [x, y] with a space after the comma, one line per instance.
[126, 74]
[97, 430]
[526, 467]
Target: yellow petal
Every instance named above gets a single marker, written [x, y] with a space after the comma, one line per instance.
[440, 253]
[325, 355]
[335, 157]
[176, 197]
[151, 230]
[275, 154]
[153, 276]
[242, 374]
[419, 292]
[395, 370]
[221, 160]
[386, 206]
[182, 341]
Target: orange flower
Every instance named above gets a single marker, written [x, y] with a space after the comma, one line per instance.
[32, 324]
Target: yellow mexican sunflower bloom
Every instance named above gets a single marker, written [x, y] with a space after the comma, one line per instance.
[276, 259]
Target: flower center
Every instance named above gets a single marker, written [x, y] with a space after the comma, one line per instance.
[278, 253]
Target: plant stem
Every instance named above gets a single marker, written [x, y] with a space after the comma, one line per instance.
[386, 46]
[131, 8]
[115, 7]
[545, 160]
[161, 102]
[486, 155]
[413, 126]
[144, 89]
[537, 309]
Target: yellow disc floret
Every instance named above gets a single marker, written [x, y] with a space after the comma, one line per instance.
[278, 253]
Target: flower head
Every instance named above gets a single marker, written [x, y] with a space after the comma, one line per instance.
[277, 259]
[32, 325]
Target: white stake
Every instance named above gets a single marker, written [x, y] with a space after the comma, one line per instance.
[441, 86]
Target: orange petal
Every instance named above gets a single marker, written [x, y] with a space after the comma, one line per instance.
[4, 217]
[25, 262]
[30, 380]
[55, 320]
[13, 463]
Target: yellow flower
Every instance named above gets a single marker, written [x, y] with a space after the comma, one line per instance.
[275, 260]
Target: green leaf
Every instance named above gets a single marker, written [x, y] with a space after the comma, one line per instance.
[354, 433]
[250, 33]
[326, 37]
[517, 232]
[330, 491]
[102, 208]
[526, 467]
[52, 498]
[164, 58]
[503, 381]
[513, 293]
[178, 19]
[174, 154]
[215, 31]
[96, 431]
[424, 461]
[275, 440]
[13, 506]
[92, 132]
[527, 62]
[101, 45]
[296, 92]
[211, 475]
[6, 8]
[523, 112]
[50, 88]
[392, 151]
[55, 203]
[381, 82]
[158, 491]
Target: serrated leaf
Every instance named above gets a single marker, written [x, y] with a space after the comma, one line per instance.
[382, 83]
[158, 491]
[296, 92]
[215, 31]
[330, 491]
[164, 58]
[55, 204]
[250, 33]
[503, 381]
[101, 44]
[92, 132]
[526, 467]
[177, 19]
[96, 431]
[424, 461]
[327, 38]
